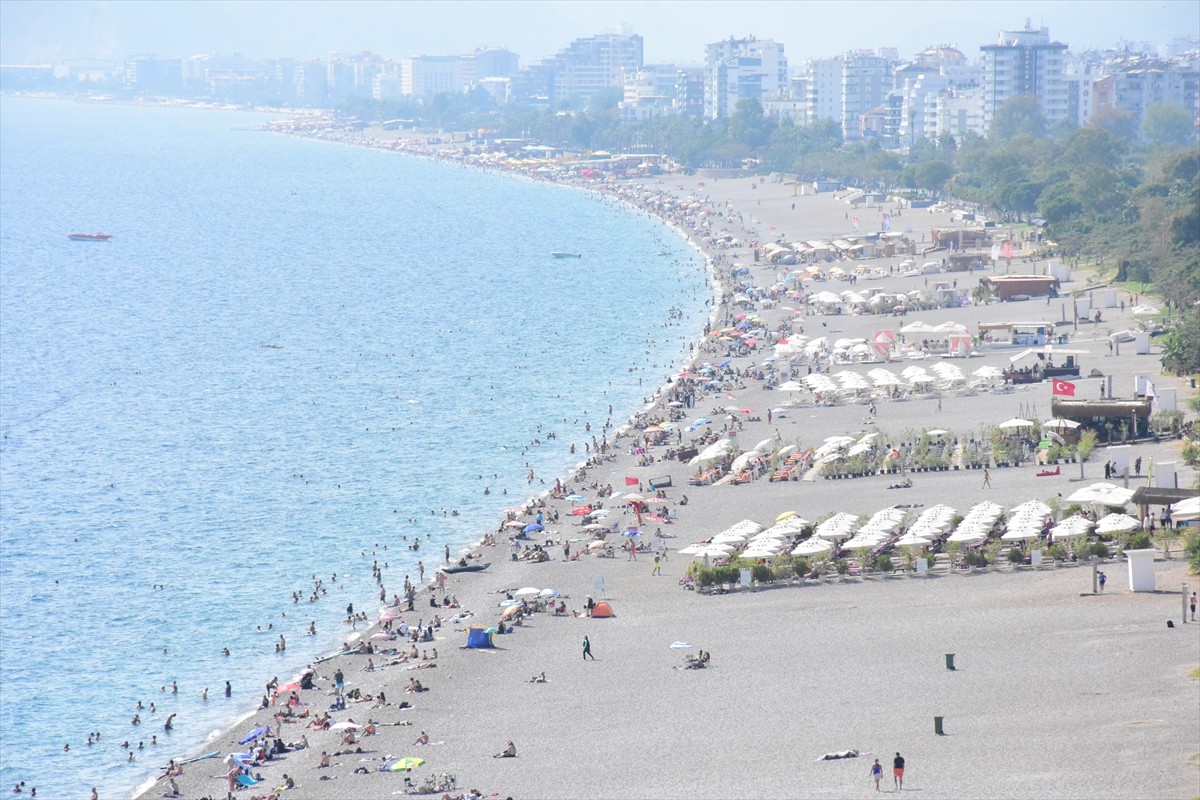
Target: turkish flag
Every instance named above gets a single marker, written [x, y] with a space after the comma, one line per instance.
[1064, 387]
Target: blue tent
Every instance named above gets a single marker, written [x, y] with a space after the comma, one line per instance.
[478, 637]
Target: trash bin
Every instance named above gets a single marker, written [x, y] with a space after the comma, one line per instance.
[937, 726]
[950, 661]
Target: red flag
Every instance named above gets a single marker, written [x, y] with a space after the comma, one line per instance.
[631, 481]
[1064, 387]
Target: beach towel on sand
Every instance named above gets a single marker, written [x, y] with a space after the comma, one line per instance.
[834, 756]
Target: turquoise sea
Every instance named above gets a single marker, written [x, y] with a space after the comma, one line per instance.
[291, 355]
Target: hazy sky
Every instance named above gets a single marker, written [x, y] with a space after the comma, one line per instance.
[39, 31]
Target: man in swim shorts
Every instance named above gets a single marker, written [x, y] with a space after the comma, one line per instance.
[898, 771]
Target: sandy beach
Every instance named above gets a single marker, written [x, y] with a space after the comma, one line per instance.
[1059, 693]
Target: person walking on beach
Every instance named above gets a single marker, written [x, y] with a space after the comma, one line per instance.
[877, 773]
[587, 650]
[657, 565]
[987, 480]
[1192, 604]
[339, 680]
[632, 550]
[1103, 580]
[898, 771]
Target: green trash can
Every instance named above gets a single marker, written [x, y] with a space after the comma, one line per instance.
[950, 661]
[937, 726]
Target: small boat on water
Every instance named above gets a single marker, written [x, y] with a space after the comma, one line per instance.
[89, 237]
[567, 255]
[467, 568]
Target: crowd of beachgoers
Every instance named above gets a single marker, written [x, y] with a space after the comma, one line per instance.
[406, 707]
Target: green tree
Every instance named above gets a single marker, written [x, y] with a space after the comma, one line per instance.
[1093, 146]
[1168, 126]
[748, 126]
[1118, 123]
[1018, 115]
[933, 175]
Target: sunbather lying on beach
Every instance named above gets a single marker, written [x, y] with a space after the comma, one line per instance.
[538, 678]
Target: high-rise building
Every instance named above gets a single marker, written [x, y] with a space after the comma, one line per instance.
[689, 92]
[1081, 94]
[428, 76]
[866, 80]
[650, 92]
[153, 74]
[739, 69]
[918, 85]
[1025, 62]
[583, 68]
[1138, 82]
[488, 62]
[824, 89]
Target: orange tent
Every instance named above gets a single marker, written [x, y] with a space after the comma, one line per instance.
[602, 609]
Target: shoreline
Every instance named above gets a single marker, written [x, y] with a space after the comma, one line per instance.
[473, 550]
[478, 598]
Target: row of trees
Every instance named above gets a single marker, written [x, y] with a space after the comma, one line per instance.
[1124, 196]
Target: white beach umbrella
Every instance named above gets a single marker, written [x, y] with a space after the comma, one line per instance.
[528, 591]
[729, 538]
[1034, 506]
[746, 526]
[1017, 534]
[742, 460]
[715, 450]
[1117, 523]
[812, 547]
[1186, 510]
[1014, 424]
[967, 535]
[1102, 493]
[864, 539]
[1073, 526]
[988, 372]
[790, 386]
[1060, 424]
[909, 540]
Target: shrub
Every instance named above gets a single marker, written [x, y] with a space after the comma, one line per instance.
[1087, 443]
[1096, 549]
[729, 574]
[801, 567]
[1015, 556]
[884, 564]
[1139, 542]
[842, 566]
[762, 573]
[1058, 552]
[1191, 549]
[975, 559]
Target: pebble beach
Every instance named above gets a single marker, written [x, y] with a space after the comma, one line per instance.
[1057, 693]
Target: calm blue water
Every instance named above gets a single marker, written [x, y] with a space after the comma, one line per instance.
[289, 350]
